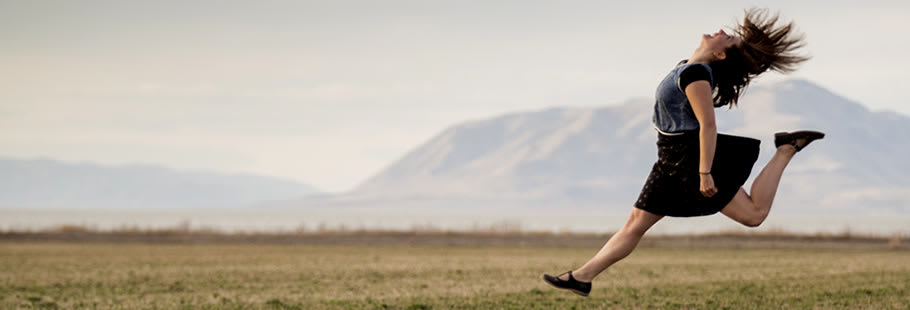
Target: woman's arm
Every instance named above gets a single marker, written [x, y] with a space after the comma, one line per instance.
[699, 94]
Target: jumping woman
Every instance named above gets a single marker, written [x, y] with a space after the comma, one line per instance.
[698, 171]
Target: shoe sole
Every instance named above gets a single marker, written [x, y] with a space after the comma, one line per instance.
[805, 134]
[808, 133]
[579, 293]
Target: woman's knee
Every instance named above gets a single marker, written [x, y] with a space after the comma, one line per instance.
[745, 211]
[636, 231]
[638, 223]
[752, 222]
[755, 219]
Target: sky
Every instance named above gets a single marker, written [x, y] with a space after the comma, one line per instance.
[328, 93]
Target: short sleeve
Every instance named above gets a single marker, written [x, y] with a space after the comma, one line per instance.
[691, 74]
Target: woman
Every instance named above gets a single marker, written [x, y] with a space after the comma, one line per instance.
[700, 172]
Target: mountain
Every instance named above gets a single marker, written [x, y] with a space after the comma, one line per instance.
[44, 183]
[596, 159]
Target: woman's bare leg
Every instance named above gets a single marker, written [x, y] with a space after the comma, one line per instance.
[619, 246]
[752, 210]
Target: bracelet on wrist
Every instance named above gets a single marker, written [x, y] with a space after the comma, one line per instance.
[709, 172]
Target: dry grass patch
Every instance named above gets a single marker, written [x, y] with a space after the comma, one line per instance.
[250, 276]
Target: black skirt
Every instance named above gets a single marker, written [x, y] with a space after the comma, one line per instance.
[672, 188]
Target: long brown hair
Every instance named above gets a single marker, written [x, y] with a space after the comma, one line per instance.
[764, 47]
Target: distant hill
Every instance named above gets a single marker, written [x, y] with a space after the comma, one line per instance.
[44, 183]
[585, 159]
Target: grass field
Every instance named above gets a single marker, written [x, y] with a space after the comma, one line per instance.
[46, 275]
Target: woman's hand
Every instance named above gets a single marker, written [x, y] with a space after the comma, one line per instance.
[707, 185]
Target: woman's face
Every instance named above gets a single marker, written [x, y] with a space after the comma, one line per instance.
[719, 41]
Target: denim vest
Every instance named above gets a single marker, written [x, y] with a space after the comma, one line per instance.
[672, 111]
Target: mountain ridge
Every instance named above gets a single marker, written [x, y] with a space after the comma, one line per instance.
[49, 183]
[585, 158]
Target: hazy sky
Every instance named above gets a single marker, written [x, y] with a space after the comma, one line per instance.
[330, 92]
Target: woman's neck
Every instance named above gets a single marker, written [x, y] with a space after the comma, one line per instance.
[701, 56]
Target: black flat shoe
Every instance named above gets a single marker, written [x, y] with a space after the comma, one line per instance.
[783, 138]
[577, 287]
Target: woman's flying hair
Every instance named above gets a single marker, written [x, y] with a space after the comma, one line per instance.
[764, 46]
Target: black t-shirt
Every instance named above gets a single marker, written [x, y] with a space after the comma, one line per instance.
[692, 74]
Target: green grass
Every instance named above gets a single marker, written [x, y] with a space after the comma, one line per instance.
[150, 276]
